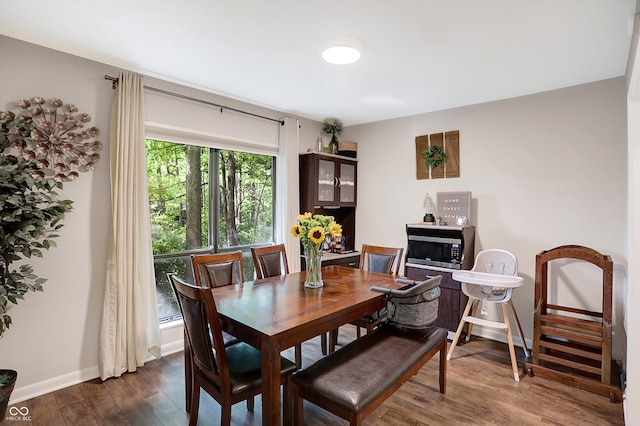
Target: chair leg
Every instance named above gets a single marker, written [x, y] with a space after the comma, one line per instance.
[188, 375]
[251, 404]
[515, 316]
[298, 355]
[459, 330]
[333, 340]
[323, 343]
[370, 327]
[474, 311]
[357, 332]
[195, 405]
[512, 352]
[297, 406]
[287, 400]
[225, 414]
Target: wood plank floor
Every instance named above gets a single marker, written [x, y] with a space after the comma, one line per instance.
[480, 391]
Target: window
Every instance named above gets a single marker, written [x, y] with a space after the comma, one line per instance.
[205, 200]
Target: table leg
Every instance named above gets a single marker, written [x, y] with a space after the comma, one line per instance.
[271, 384]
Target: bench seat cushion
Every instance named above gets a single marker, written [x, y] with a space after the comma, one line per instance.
[356, 375]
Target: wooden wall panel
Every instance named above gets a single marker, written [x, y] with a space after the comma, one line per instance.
[452, 149]
[422, 144]
[437, 139]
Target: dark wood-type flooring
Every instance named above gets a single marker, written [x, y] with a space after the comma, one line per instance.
[480, 391]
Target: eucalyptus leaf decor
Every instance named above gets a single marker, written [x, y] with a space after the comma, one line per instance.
[434, 156]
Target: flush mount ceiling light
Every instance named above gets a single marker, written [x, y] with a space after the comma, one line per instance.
[341, 51]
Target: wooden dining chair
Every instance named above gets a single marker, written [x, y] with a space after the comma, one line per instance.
[271, 261]
[218, 269]
[211, 270]
[229, 373]
[380, 259]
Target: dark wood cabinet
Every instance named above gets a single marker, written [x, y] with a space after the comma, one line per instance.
[452, 299]
[328, 186]
[350, 260]
[327, 181]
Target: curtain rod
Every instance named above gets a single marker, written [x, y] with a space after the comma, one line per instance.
[114, 83]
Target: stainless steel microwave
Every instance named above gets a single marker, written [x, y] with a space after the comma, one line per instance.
[442, 246]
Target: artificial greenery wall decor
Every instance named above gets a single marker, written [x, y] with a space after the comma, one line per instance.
[438, 155]
[42, 145]
[434, 156]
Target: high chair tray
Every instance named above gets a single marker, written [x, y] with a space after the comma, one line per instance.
[486, 279]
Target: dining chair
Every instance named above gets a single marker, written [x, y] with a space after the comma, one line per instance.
[493, 263]
[229, 373]
[380, 259]
[218, 269]
[271, 261]
[211, 270]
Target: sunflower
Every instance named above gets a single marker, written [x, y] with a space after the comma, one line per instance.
[302, 217]
[316, 234]
[296, 231]
[312, 229]
[335, 230]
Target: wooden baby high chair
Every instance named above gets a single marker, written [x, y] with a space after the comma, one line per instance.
[492, 279]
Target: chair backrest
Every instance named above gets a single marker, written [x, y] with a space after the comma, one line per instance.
[492, 261]
[202, 326]
[496, 261]
[380, 259]
[270, 261]
[217, 270]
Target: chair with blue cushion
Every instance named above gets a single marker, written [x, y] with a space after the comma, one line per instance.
[229, 373]
[384, 260]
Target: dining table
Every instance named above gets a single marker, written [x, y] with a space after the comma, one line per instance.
[276, 313]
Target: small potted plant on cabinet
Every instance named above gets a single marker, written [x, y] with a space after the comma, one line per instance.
[333, 127]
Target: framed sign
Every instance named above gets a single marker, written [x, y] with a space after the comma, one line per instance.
[454, 207]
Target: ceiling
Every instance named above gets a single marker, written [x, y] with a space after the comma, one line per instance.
[419, 55]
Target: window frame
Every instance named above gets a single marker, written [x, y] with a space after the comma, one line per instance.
[214, 146]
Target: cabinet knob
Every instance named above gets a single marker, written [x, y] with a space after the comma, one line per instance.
[337, 181]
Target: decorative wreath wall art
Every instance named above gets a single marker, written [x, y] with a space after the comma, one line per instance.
[52, 134]
[434, 156]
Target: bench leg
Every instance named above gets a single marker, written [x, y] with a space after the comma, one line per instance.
[443, 366]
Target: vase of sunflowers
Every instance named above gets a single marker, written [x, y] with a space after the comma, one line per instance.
[313, 231]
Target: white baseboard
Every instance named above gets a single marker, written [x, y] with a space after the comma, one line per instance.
[34, 390]
[46, 386]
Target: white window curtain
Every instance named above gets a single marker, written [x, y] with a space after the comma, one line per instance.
[130, 329]
[287, 190]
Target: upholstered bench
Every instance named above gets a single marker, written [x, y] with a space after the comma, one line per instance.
[355, 380]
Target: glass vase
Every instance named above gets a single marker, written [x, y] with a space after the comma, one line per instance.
[313, 260]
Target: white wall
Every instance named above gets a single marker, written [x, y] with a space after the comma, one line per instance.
[544, 170]
[53, 341]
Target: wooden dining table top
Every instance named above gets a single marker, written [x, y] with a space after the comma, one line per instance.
[276, 313]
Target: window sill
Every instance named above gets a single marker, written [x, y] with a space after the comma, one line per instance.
[171, 324]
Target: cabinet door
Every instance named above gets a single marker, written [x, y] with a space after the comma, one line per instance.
[452, 299]
[326, 188]
[347, 183]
